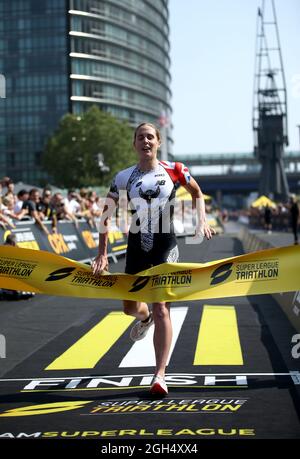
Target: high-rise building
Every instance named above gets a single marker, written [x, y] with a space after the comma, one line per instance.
[60, 56]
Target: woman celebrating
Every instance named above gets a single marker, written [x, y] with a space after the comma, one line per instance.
[150, 186]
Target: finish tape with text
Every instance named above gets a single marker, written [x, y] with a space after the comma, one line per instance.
[268, 271]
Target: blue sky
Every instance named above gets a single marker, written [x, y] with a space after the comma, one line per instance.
[212, 52]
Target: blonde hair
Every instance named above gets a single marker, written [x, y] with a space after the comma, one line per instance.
[7, 200]
[157, 131]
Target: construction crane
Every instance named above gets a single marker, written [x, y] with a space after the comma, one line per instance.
[270, 105]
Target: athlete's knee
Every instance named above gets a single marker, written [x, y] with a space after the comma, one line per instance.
[160, 311]
[129, 307]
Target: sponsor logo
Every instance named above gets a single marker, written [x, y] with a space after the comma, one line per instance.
[139, 284]
[71, 240]
[175, 279]
[262, 270]
[129, 406]
[149, 194]
[88, 278]
[45, 408]
[89, 239]
[24, 238]
[139, 432]
[167, 406]
[58, 244]
[82, 277]
[16, 268]
[59, 274]
[63, 243]
[221, 273]
[245, 272]
[20, 435]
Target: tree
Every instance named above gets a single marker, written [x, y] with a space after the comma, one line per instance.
[72, 154]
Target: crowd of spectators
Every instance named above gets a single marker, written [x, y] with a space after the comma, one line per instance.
[280, 216]
[47, 205]
[52, 206]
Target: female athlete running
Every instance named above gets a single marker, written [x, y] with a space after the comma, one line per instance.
[150, 186]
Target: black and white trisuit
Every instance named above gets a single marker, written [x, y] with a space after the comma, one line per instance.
[151, 239]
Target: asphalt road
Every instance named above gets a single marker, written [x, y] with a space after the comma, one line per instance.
[231, 373]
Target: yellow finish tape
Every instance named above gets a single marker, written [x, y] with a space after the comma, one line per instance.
[267, 271]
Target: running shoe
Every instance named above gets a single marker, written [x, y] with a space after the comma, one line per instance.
[140, 329]
[159, 386]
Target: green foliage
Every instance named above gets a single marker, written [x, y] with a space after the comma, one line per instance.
[71, 153]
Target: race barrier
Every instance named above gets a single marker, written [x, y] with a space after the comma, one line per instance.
[251, 241]
[79, 242]
[288, 301]
[279, 221]
[268, 271]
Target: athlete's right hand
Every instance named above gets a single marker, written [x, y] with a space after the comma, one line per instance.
[100, 264]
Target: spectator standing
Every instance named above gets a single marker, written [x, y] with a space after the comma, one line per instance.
[294, 215]
[268, 219]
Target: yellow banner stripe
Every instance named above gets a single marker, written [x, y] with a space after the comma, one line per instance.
[218, 339]
[89, 349]
[267, 271]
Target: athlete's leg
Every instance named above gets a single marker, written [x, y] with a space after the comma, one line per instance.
[137, 309]
[162, 335]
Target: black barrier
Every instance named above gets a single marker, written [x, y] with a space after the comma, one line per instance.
[78, 242]
[281, 222]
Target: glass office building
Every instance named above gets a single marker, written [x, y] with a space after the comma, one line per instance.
[60, 56]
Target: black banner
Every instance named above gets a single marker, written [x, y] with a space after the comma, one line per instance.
[78, 242]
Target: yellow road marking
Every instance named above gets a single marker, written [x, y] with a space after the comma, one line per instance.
[218, 339]
[89, 349]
